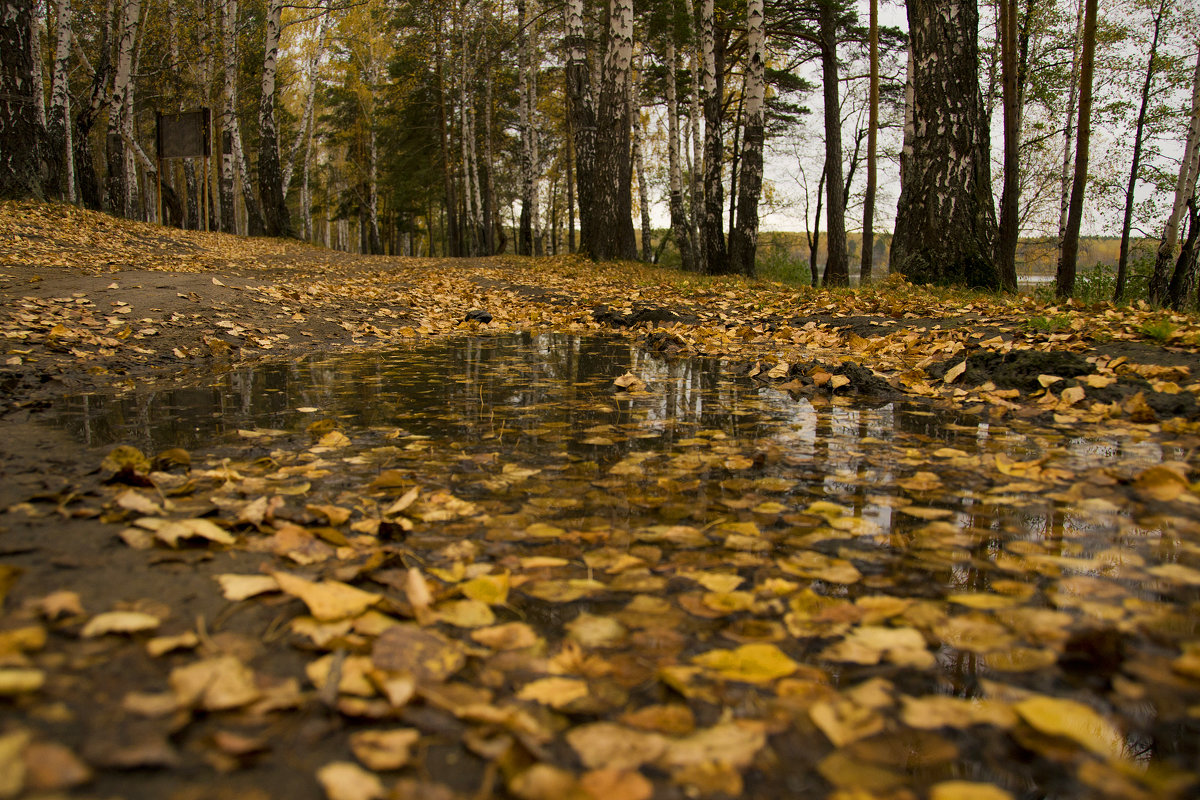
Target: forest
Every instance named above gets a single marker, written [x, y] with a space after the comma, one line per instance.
[625, 130]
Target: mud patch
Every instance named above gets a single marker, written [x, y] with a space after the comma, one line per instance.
[1018, 369]
[655, 315]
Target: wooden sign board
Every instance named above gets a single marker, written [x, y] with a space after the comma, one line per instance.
[184, 135]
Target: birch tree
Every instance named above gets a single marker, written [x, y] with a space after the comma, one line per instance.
[20, 168]
[713, 256]
[526, 105]
[59, 124]
[681, 230]
[945, 220]
[1135, 166]
[1185, 187]
[743, 244]
[270, 172]
[868, 238]
[120, 181]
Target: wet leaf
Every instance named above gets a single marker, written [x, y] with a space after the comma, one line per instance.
[1072, 720]
[750, 663]
[119, 622]
[214, 684]
[343, 780]
[240, 587]
[554, 692]
[384, 750]
[20, 680]
[327, 600]
[426, 654]
[966, 790]
[606, 745]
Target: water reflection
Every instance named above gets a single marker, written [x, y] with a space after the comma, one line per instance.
[1006, 539]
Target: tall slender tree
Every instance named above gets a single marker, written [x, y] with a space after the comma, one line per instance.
[1135, 166]
[713, 254]
[270, 171]
[866, 264]
[1006, 240]
[59, 121]
[837, 269]
[1185, 186]
[1065, 282]
[743, 244]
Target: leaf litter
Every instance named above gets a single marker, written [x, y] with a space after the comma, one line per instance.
[563, 565]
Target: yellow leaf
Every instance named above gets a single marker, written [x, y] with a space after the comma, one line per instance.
[327, 600]
[555, 692]
[214, 684]
[490, 589]
[955, 372]
[466, 613]
[750, 663]
[384, 750]
[1161, 483]
[343, 780]
[1048, 380]
[967, 790]
[606, 745]
[239, 587]
[119, 622]
[1055, 716]
[20, 680]
[509, 636]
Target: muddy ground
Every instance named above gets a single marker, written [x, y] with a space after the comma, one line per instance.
[93, 304]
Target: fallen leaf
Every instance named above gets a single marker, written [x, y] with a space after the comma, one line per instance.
[750, 663]
[214, 684]
[327, 600]
[384, 750]
[344, 780]
[555, 692]
[240, 587]
[119, 622]
[1056, 716]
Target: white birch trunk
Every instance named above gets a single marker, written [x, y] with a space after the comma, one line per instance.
[639, 161]
[306, 117]
[680, 227]
[1185, 187]
[35, 52]
[60, 99]
[697, 152]
[120, 178]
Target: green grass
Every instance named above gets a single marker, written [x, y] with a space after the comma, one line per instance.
[1160, 330]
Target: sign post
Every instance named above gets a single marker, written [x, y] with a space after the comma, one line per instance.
[187, 134]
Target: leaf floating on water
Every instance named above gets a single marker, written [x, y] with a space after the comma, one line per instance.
[427, 654]
[630, 383]
[1069, 719]
[554, 692]
[607, 745]
[750, 663]
[20, 680]
[966, 790]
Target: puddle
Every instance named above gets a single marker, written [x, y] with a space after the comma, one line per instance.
[709, 513]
